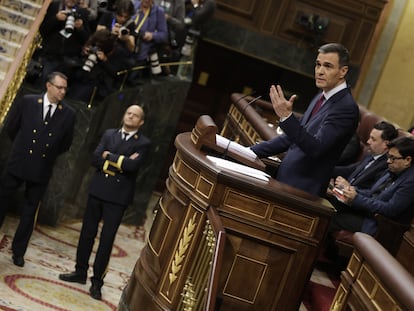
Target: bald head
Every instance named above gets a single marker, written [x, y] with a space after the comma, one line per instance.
[133, 118]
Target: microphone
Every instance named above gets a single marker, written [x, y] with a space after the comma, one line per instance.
[228, 112]
[244, 96]
[238, 121]
[248, 104]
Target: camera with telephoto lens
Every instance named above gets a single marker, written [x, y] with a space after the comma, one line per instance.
[191, 37]
[70, 20]
[91, 60]
[154, 62]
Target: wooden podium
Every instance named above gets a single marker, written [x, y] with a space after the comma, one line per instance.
[224, 240]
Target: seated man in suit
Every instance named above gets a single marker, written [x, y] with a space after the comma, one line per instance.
[365, 173]
[392, 195]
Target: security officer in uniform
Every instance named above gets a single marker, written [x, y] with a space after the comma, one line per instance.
[117, 160]
[41, 127]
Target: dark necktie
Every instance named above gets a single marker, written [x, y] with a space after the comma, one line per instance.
[318, 105]
[48, 114]
[124, 135]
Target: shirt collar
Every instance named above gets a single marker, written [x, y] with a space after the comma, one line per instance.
[46, 101]
[335, 90]
[122, 130]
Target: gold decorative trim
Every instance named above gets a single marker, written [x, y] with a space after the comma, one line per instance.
[231, 193]
[17, 80]
[164, 213]
[338, 302]
[312, 222]
[375, 289]
[354, 265]
[181, 252]
[207, 194]
[265, 267]
[209, 237]
[188, 294]
[181, 167]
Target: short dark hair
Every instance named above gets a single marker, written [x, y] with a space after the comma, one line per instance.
[389, 132]
[338, 49]
[125, 6]
[404, 145]
[51, 76]
[103, 39]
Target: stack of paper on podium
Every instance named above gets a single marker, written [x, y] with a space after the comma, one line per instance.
[240, 153]
[239, 168]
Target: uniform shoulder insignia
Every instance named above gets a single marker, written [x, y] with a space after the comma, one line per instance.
[60, 107]
[136, 136]
[40, 100]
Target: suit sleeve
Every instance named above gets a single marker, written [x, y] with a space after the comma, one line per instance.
[335, 127]
[132, 165]
[14, 119]
[344, 171]
[272, 147]
[401, 198]
[68, 135]
[97, 159]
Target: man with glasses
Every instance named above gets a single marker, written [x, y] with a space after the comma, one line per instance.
[392, 195]
[364, 174]
[41, 127]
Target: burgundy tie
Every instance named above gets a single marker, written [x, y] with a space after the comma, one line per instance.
[318, 105]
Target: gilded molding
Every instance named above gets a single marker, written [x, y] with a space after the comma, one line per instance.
[181, 252]
[253, 262]
[188, 294]
[15, 83]
[338, 302]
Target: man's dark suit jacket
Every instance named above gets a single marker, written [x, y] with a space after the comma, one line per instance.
[395, 202]
[360, 178]
[315, 144]
[116, 183]
[36, 145]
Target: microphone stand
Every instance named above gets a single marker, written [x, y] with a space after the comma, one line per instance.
[238, 122]
[228, 113]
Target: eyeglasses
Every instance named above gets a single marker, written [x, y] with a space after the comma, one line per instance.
[393, 158]
[59, 87]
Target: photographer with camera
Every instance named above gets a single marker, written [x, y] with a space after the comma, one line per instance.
[120, 23]
[64, 31]
[198, 12]
[150, 31]
[103, 58]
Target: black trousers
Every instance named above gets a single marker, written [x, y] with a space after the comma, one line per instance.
[32, 196]
[111, 214]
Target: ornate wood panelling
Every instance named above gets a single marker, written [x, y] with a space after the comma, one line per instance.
[351, 22]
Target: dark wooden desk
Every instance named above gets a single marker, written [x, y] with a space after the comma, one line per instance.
[373, 280]
[264, 239]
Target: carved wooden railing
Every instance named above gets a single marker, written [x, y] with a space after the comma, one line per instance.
[20, 21]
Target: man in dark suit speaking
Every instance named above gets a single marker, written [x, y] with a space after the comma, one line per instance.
[117, 160]
[314, 143]
[41, 128]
